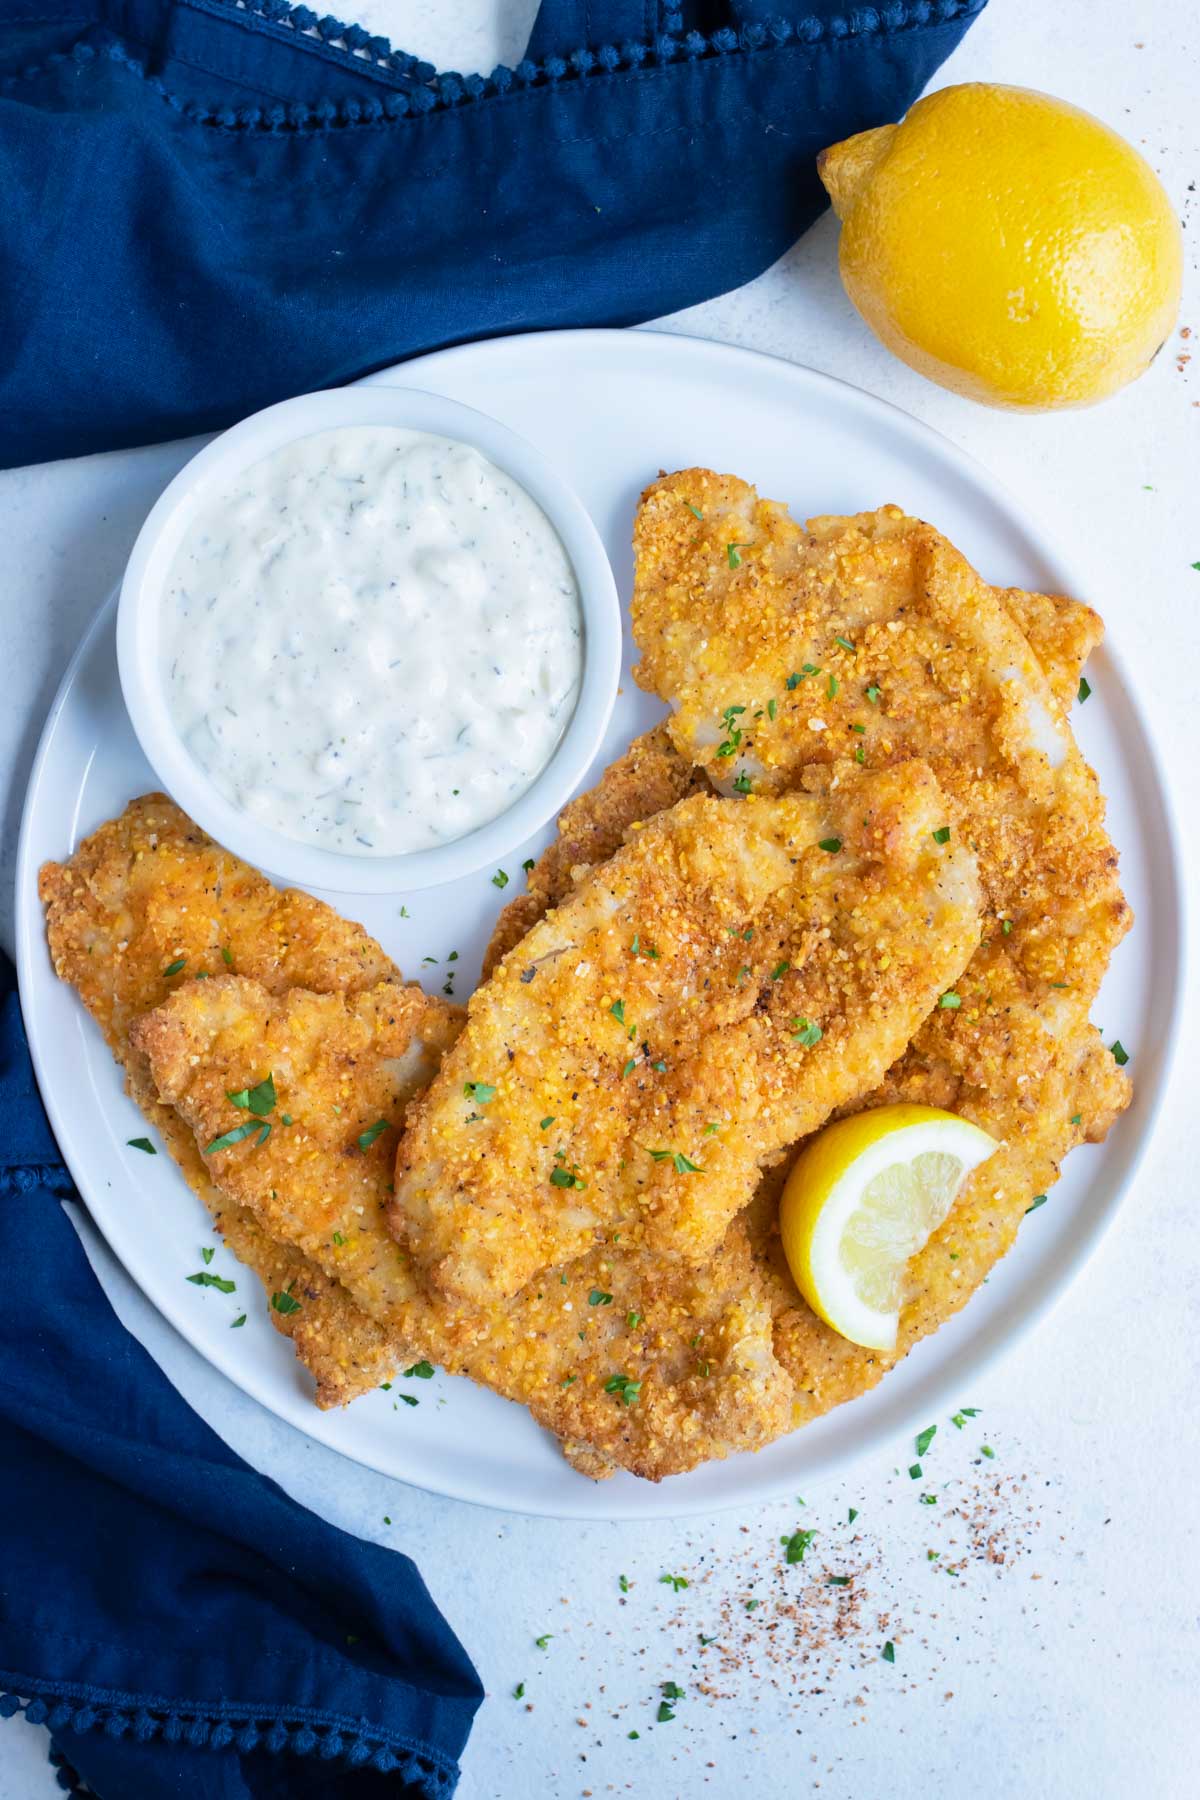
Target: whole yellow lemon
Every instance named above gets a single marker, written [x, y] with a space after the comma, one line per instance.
[1007, 245]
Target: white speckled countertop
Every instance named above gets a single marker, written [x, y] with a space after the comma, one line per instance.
[1062, 1659]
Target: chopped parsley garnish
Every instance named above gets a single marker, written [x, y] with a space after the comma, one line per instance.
[543, 1641]
[623, 1583]
[598, 1297]
[960, 1418]
[1084, 689]
[833, 686]
[566, 1178]
[1038, 1200]
[546, 1123]
[694, 510]
[174, 967]
[951, 1001]
[617, 1009]
[240, 1320]
[204, 1279]
[664, 1713]
[1006, 926]
[925, 1438]
[630, 1066]
[1076, 1118]
[742, 784]
[528, 864]
[338, 1239]
[519, 1691]
[845, 643]
[419, 1371]
[837, 1581]
[752, 1605]
[567, 1380]
[852, 1515]
[733, 552]
[928, 1499]
[832, 845]
[986, 1450]
[860, 755]
[914, 1470]
[1120, 1054]
[227, 1140]
[284, 1303]
[683, 1164]
[286, 1118]
[780, 970]
[410, 1400]
[625, 1389]
[733, 734]
[671, 1691]
[806, 1032]
[482, 1092]
[942, 835]
[207, 1254]
[367, 1138]
[226, 956]
[796, 1545]
[873, 695]
[633, 1319]
[889, 1651]
[772, 708]
[142, 1144]
[637, 949]
[500, 879]
[259, 1100]
[674, 1581]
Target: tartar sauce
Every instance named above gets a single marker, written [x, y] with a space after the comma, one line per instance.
[372, 640]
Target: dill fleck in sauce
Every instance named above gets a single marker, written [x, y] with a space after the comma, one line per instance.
[372, 640]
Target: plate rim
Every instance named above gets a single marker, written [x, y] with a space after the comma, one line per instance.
[1049, 1288]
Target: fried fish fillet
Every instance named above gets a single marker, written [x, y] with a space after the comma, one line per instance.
[140, 894]
[635, 1362]
[653, 774]
[876, 628]
[703, 998]
[1036, 1083]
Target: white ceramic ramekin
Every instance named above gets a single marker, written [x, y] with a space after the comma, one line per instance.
[141, 610]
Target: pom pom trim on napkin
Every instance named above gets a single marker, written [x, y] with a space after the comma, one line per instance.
[429, 90]
[303, 1732]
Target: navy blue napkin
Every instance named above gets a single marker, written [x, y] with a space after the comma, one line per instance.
[210, 205]
[179, 1624]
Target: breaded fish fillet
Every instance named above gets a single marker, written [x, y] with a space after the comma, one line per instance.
[1077, 1078]
[139, 894]
[653, 774]
[714, 990]
[874, 632]
[1019, 1056]
[634, 1361]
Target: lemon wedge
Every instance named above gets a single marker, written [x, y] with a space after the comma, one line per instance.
[862, 1199]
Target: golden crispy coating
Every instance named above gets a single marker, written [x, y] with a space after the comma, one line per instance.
[141, 892]
[650, 777]
[343, 1069]
[633, 1361]
[706, 996]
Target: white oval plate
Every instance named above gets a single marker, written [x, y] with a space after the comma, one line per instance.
[612, 409]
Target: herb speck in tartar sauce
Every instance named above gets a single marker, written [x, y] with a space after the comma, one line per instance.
[372, 640]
